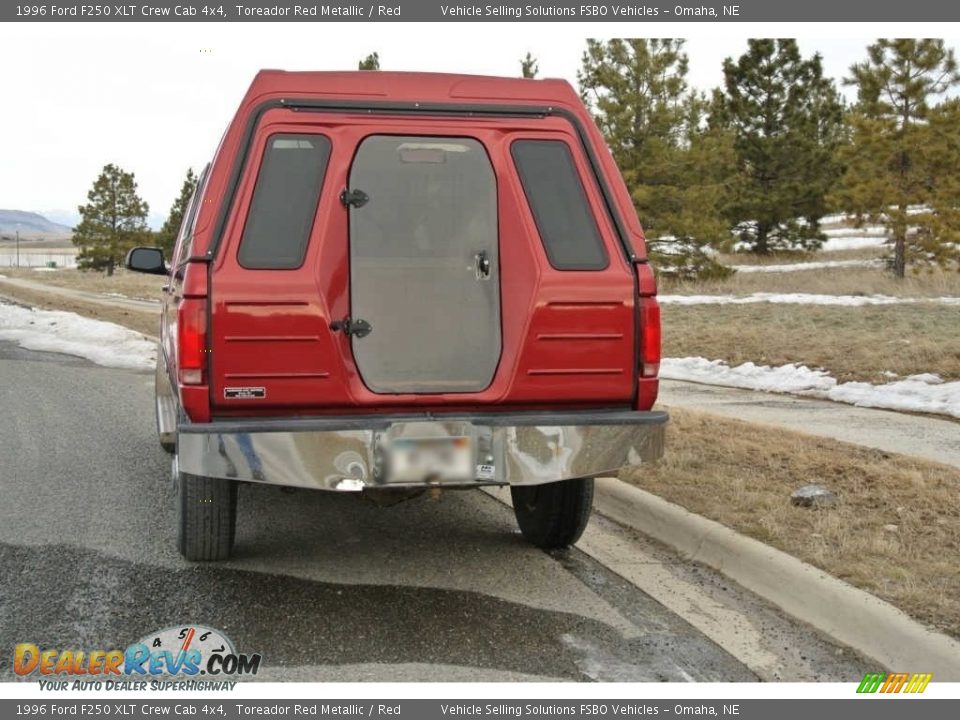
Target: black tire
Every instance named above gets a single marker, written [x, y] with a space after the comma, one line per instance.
[207, 517]
[553, 515]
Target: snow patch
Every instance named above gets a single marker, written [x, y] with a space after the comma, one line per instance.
[851, 243]
[926, 392]
[801, 299]
[784, 379]
[878, 231]
[101, 342]
[798, 267]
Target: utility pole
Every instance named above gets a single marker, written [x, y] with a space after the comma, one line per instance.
[18, 249]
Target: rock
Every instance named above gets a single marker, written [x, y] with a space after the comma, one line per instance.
[891, 528]
[813, 496]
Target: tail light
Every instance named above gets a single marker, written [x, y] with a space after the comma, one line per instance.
[648, 325]
[649, 337]
[192, 341]
[192, 350]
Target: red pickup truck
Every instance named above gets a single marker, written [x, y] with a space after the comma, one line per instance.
[392, 281]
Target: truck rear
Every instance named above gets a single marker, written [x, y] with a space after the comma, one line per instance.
[388, 282]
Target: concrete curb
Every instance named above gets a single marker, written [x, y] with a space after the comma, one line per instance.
[853, 617]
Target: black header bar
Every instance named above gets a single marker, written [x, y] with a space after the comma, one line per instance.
[629, 11]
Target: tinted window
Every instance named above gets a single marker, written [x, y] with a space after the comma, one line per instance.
[284, 201]
[559, 205]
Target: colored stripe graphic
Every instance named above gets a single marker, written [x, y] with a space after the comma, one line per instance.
[894, 682]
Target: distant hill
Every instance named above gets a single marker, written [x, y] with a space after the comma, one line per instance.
[30, 223]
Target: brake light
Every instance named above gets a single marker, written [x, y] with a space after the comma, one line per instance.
[192, 353]
[649, 337]
[648, 312]
[192, 341]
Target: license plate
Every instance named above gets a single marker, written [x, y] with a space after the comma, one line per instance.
[431, 459]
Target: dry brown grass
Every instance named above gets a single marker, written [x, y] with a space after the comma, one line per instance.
[131, 284]
[826, 281]
[796, 256]
[742, 475]
[851, 343]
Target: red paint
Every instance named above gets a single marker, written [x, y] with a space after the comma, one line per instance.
[568, 337]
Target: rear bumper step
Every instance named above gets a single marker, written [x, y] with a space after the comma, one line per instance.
[350, 453]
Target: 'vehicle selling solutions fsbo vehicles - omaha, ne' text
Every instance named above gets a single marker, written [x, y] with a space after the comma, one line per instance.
[388, 282]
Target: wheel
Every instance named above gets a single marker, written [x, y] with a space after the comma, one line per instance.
[207, 517]
[553, 515]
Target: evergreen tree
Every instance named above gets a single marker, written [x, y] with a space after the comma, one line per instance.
[113, 221]
[529, 67]
[938, 240]
[787, 121]
[675, 166]
[902, 158]
[370, 62]
[167, 236]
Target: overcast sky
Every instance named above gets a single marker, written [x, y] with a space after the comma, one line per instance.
[155, 98]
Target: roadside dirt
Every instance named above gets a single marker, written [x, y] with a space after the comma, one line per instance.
[894, 530]
[145, 322]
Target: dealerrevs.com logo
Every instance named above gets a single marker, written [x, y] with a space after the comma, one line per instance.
[171, 659]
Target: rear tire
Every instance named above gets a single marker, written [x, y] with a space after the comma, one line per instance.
[553, 515]
[207, 517]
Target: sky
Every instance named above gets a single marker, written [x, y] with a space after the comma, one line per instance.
[155, 98]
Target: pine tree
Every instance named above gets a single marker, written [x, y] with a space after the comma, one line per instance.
[529, 67]
[113, 221]
[787, 120]
[370, 62]
[167, 236]
[901, 162]
[939, 240]
[673, 164]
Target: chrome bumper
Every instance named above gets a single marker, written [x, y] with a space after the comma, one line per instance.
[346, 454]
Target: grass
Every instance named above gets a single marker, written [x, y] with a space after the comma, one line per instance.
[826, 281]
[851, 343]
[741, 475]
[131, 284]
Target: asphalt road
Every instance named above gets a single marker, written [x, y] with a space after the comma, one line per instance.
[330, 587]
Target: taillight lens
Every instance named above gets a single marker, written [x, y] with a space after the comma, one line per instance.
[649, 337]
[649, 321]
[192, 341]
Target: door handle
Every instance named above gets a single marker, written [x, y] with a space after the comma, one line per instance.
[482, 265]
